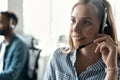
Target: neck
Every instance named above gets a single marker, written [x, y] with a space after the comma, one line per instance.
[86, 57]
[8, 36]
[88, 54]
[87, 50]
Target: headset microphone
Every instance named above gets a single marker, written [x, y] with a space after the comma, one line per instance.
[80, 47]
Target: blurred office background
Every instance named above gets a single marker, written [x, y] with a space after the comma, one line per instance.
[48, 22]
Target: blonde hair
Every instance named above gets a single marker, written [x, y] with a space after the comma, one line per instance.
[99, 5]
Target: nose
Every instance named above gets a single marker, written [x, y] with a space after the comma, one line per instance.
[76, 27]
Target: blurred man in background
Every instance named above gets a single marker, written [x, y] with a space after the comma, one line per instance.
[13, 51]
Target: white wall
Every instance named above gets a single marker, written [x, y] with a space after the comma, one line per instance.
[17, 7]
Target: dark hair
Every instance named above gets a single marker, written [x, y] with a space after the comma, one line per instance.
[10, 15]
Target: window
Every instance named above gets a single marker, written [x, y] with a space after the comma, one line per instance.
[3, 5]
[46, 20]
[117, 17]
[116, 12]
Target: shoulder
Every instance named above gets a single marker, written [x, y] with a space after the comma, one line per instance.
[119, 67]
[16, 44]
[58, 56]
[118, 62]
[59, 53]
[17, 41]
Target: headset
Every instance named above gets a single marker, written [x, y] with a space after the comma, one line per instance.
[11, 26]
[105, 28]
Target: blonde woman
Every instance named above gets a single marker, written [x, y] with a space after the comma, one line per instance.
[93, 52]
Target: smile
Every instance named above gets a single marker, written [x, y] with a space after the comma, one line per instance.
[77, 38]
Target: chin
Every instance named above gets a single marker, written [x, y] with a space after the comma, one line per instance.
[76, 46]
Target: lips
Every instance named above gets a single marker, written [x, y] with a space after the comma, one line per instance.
[77, 38]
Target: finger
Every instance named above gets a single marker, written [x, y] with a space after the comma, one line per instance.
[99, 40]
[104, 50]
[97, 50]
[103, 47]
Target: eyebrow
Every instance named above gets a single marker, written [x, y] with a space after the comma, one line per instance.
[88, 18]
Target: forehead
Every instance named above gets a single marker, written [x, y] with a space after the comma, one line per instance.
[3, 17]
[84, 10]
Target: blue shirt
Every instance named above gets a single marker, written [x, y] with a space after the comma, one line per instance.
[16, 58]
[61, 67]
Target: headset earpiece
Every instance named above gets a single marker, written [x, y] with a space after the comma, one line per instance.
[11, 26]
[105, 27]
[104, 22]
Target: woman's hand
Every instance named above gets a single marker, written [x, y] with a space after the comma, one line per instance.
[108, 49]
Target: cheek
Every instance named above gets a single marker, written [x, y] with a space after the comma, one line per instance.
[91, 32]
[2, 27]
[70, 29]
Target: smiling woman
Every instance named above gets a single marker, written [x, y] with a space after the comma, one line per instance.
[93, 28]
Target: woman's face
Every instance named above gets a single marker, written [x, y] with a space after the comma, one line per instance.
[84, 25]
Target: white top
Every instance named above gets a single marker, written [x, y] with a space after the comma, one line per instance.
[2, 55]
